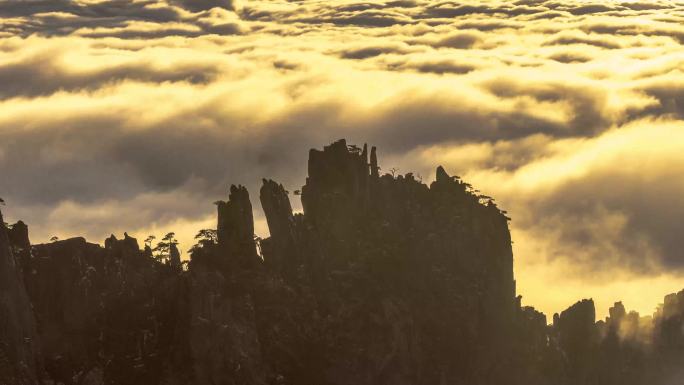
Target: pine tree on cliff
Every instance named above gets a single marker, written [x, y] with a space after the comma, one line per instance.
[166, 250]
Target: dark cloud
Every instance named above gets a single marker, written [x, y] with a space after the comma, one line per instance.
[28, 8]
[524, 10]
[548, 15]
[402, 4]
[103, 151]
[359, 7]
[62, 18]
[257, 14]
[568, 39]
[164, 31]
[92, 157]
[360, 14]
[591, 8]
[43, 75]
[642, 6]
[442, 66]
[367, 18]
[204, 5]
[612, 219]
[570, 57]
[587, 105]
[454, 10]
[430, 120]
[286, 65]
[451, 9]
[530, 2]
[676, 32]
[372, 51]
[670, 100]
[459, 40]
[489, 25]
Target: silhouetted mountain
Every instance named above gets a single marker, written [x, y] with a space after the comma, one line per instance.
[20, 357]
[381, 280]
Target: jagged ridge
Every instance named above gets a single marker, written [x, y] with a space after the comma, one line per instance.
[381, 280]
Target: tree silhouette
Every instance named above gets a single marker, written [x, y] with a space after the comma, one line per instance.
[2, 202]
[148, 241]
[205, 238]
[162, 252]
[206, 235]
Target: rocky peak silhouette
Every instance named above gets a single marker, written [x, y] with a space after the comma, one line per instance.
[382, 279]
[20, 357]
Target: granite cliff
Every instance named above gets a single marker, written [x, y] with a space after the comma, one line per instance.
[381, 280]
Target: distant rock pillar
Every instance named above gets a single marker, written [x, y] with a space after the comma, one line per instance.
[174, 256]
[441, 175]
[578, 338]
[281, 225]
[374, 169]
[337, 184]
[235, 228]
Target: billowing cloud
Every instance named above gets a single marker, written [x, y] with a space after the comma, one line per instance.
[44, 75]
[205, 5]
[123, 115]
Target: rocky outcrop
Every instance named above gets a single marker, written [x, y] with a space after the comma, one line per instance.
[284, 241]
[382, 279]
[104, 314]
[20, 359]
[235, 227]
[413, 256]
[223, 342]
[577, 336]
[668, 340]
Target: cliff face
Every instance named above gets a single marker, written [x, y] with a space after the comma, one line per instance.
[19, 349]
[417, 281]
[381, 280]
[235, 228]
[103, 313]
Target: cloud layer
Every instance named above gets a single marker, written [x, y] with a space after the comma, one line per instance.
[134, 115]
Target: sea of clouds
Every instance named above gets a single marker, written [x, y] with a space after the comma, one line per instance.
[135, 115]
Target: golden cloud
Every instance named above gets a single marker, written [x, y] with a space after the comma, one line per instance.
[123, 115]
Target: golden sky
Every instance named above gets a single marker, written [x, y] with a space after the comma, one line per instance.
[135, 115]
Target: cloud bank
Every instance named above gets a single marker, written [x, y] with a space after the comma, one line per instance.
[134, 115]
